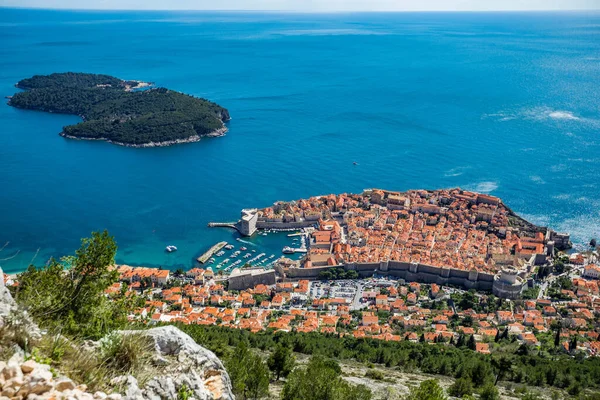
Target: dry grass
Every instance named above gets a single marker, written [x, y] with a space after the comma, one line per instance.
[96, 365]
[85, 362]
[14, 332]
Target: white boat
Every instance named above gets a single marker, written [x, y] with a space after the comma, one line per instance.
[171, 248]
[288, 250]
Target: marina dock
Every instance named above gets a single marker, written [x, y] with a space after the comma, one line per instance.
[299, 250]
[214, 249]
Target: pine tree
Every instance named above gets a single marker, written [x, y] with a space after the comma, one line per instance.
[281, 361]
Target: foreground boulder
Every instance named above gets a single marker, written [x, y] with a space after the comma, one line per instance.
[20, 379]
[187, 366]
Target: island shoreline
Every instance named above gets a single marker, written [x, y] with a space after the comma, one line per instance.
[192, 139]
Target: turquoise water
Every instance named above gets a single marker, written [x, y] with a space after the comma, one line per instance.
[503, 103]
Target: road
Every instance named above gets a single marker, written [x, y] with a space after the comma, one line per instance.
[356, 304]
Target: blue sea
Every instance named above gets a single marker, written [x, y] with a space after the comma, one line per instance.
[501, 103]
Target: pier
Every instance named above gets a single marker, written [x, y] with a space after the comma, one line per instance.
[300, 250]
[232, 225]
[214, 249]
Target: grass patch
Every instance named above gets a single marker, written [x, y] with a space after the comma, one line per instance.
[96, 365]
[14, 332]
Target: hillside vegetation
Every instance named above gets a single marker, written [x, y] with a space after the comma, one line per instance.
[113, 110]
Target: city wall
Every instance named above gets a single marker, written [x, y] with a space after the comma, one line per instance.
[411, 272]
[248, 279]
[283, 225]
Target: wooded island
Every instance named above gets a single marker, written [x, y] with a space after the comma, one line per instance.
[130, 113]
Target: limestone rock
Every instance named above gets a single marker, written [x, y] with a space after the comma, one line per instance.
[64, 384]
[28, 366]
[8, 307]
[133, 391]
[197, 369]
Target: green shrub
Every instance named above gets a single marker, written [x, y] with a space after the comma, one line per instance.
[184, 393]
[461, 387]
[427, 390]
[374, 374]
[489, 392]
[126, 353]
[321, 380]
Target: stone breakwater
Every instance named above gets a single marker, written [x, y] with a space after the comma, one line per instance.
[192, 139]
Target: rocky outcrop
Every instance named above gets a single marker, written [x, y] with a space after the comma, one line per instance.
[187, 366]
[20, 379]
[9, 313]
[6, 301]
[187, 370]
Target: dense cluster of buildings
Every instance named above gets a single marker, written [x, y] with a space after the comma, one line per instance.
[444, 236]
[383, 309]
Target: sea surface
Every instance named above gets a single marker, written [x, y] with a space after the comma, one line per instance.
[501, 103]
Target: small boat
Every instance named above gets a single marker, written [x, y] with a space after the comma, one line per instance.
[288, 250]
[243, 248]
[171, 249]
[229, 247]
[355, 163]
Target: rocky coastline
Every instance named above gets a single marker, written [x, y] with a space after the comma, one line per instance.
[192, 139]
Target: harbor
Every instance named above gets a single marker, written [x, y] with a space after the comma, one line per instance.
[259, 251]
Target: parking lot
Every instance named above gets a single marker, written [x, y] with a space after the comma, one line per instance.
[339, 289]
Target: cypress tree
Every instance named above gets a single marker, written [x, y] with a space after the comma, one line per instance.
[471, 343]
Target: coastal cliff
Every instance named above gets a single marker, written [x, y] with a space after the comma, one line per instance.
[123, 112]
